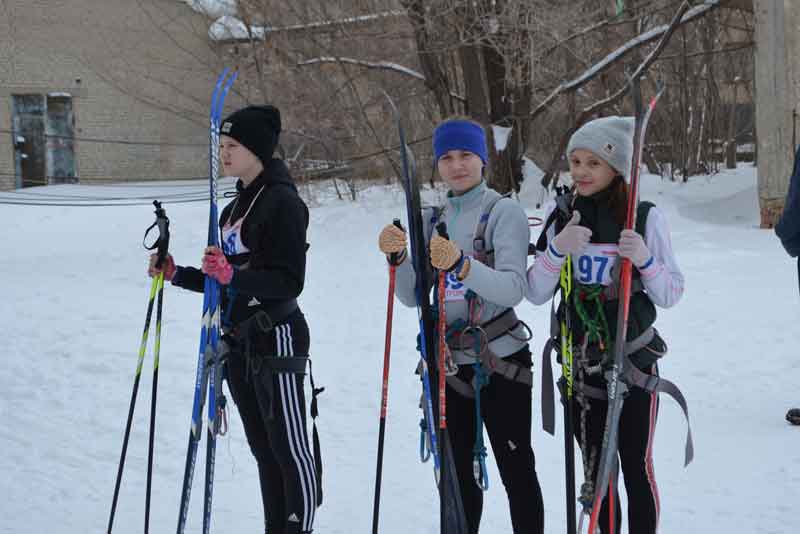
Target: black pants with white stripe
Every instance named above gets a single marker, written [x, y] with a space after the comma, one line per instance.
[273, 412]
[637, 426]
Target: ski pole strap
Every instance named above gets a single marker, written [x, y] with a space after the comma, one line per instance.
[480, 380]
[162, 241]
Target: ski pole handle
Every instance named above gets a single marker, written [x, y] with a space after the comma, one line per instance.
[161, 244]
[393, 256]
[442, 229]
[163, 233]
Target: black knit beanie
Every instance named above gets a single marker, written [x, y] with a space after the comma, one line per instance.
[255, 127]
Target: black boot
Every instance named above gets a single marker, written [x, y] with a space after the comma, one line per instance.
[793, 416]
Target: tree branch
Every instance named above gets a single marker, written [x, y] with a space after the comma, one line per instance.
[681, 17]
[379, 65]
[621, 52]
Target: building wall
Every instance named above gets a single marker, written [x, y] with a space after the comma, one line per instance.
[139, 72]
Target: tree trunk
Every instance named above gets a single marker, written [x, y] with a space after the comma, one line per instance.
[773, 105]
[730, 145]
[435, 75]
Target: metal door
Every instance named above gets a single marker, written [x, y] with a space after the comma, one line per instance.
[29, 144]
[60, 132]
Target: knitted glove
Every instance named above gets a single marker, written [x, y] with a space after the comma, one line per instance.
[216, 265]
[392, 240]
[445, 254]
[631, 246]
[572, 238]
[167, 267]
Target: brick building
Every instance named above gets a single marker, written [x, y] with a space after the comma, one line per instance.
[103, 90]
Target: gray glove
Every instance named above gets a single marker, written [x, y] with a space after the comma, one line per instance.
[631, 246]
[573, 238]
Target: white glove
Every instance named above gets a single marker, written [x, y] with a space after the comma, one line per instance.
[572, 238]
[631, 246]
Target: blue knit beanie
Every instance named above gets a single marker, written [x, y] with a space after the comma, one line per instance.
[460, 135]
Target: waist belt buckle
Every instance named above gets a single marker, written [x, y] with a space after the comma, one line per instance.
[263, 321]
[652, 383]
[478, 346]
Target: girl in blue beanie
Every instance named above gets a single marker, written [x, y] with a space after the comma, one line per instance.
[483, 286]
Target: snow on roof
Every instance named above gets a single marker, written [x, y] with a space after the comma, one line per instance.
[229, 27]
[213, 8]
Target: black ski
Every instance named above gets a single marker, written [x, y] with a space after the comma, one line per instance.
[451, 509]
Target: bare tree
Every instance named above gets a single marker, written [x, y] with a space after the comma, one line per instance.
[514, 64]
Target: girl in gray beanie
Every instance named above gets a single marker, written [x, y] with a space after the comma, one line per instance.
[584, 227]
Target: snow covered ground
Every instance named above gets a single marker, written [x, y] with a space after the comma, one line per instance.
[75, 294]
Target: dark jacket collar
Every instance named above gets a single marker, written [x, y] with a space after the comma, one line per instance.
[274, 173]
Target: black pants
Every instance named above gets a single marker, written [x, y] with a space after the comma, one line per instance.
[272, 408]
[506, 412]
[636, 427]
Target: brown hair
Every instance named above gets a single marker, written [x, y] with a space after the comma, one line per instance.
[618, 201]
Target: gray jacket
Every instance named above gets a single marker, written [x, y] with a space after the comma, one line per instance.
[499, 288]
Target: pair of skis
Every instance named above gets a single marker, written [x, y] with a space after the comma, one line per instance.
[209, 373]
[209, 376]
[616, 386]
[451, 510]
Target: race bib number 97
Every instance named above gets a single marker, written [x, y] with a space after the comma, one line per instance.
[594, 264]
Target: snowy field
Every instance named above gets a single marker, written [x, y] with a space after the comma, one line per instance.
[75, 296]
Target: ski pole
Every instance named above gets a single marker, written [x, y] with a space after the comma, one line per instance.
[440, 293]
[567, 383]
[156, 286]
[387, 347]
[162, 246]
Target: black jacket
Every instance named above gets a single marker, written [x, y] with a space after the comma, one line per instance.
[275, 233]
[788, 228]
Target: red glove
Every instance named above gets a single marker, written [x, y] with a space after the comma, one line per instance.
[216, 265]
[167, 267]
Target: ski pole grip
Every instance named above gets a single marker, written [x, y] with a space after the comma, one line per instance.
[393, 255]
[162, 243]
[442, 229]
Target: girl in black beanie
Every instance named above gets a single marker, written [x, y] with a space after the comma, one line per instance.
[261, 267]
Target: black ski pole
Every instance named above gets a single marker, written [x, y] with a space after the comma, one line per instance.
[157, 285]
[162, 246]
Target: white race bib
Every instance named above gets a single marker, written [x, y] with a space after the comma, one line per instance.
[594, 264]
[454, 290]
